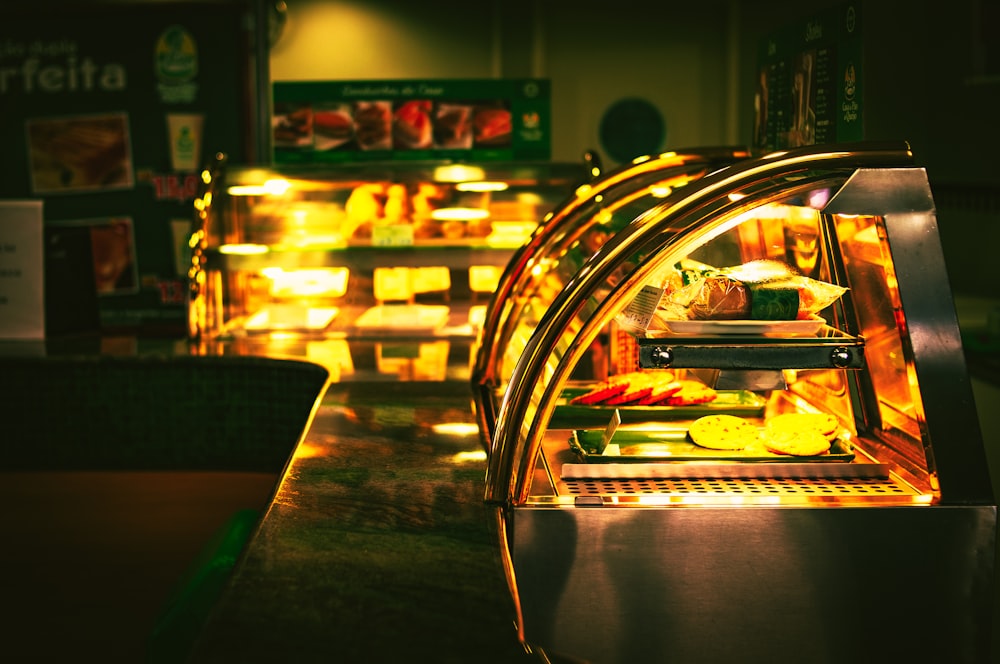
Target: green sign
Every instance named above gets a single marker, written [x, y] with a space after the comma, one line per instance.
[473, 120]
[809, 88]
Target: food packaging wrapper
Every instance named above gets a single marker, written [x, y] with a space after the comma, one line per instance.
[758, 290]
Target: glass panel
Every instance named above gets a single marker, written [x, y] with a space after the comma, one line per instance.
[898, 419]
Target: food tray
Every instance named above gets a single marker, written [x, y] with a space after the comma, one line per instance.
[673, 444]
[742, 403]
[804, 327]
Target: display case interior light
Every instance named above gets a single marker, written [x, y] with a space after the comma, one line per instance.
[459, 173]
[244, 249]
[481, 186]
[459, 214]
[273, 187]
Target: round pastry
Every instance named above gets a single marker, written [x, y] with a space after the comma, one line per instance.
[787, 423]
[805, 442]
[722, 432]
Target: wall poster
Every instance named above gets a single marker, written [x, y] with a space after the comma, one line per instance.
[107, 127]
[473, 120]
[809, 87]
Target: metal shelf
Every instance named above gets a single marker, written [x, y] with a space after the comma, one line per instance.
[833, 350]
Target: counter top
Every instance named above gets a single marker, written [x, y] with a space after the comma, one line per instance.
[376, 546]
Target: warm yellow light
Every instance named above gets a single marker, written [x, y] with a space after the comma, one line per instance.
[458, 173]
[459, 214]
[275, 187]
[481, 186]
[243, 249]
[469, 457]
[456, 429]
[660, 191]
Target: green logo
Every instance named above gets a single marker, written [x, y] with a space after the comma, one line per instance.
[176, 56]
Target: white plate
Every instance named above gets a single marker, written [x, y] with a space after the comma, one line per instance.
[770, 327]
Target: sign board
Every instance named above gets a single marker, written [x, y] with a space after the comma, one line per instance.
[22, 270]
[470, 120]
[809, 87]
[108, 127]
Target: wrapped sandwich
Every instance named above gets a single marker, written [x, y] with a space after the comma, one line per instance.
[758, 290]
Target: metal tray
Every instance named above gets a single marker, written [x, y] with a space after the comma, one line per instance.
[742, 403]
[673, 444]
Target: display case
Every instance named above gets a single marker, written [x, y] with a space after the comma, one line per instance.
[363, 250]
[559, 246]
[788, 467]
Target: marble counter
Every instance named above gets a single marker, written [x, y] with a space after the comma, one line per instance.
[376, 546]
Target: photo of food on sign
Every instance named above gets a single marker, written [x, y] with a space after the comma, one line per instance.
[453, 126]
[373, 125]
[411, 125]
[333, 126]
[112, 250]
[492, 126]
[79, 153]
[292, 125]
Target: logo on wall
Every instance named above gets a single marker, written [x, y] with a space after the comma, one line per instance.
[850, 81]
[176, 63]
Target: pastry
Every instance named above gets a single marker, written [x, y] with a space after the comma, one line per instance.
[787, 423]
[806, 442]
[722, 432]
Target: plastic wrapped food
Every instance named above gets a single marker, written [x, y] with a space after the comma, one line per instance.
[758, 290]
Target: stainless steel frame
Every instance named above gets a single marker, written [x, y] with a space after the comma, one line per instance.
[715, 563]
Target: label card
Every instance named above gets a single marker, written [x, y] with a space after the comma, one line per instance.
[636, 317]
[22, 270]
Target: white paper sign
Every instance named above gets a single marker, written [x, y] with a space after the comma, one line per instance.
[22, 270]
[636, 317]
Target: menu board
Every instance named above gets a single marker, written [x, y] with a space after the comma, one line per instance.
[108, 127]
[474, 120]
[809, 87]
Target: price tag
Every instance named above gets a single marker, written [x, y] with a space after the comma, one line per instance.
[392, 235]
[22, 268]
[636, 316]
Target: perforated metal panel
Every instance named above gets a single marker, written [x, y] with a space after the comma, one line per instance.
[734, 487]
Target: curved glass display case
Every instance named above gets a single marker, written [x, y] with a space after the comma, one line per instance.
[796, 445]
[559, 246]
[368, 250]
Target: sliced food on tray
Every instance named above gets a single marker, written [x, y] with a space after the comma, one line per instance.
[656, 387]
